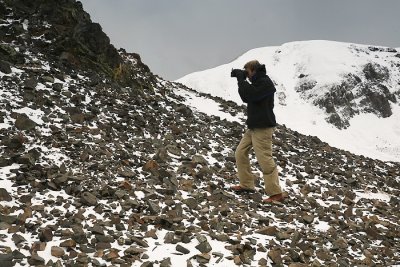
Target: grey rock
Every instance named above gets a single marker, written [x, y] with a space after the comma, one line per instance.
[48, 79]
[191, 203]
[140, 241]
[154, 208]
[204, 247]
[4, 195]
[23, 122]
[88, 199]
[275, 256]
[308, 218]
[18, 239]
[5, 67]
[6, 260]
[134, 250]
[30, 83]
[36, 260]
[57, 87]
[97, 230]
[203, 258]
[166, 262]
[10, 219]
[182, 249]
[169, 238]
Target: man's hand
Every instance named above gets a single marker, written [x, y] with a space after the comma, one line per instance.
[239, 74]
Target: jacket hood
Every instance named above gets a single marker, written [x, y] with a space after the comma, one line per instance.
[260, 71]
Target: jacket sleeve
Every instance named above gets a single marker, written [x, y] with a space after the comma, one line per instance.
[242, 95]
[255, 93]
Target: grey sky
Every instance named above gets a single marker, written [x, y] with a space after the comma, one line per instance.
[177, 37]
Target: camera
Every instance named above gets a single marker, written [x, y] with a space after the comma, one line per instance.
[238, 73]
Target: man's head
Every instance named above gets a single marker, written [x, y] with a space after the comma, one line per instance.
[251, 68]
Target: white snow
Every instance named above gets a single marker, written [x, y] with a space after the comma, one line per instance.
[4, 173]
[33, 114]
[370, 195]
[206, 105]
[325, 62]
[25, 24]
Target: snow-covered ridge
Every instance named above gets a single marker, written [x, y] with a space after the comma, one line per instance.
[346, 94]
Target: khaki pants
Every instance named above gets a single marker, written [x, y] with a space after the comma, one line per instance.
[261, 141]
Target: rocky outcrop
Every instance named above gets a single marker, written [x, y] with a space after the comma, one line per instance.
[363, 92]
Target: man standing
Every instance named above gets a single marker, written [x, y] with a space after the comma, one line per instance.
[259, 96]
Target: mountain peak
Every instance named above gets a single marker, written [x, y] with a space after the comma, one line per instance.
[325, 83]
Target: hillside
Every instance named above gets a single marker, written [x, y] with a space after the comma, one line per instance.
[346, 94]
[104, 163]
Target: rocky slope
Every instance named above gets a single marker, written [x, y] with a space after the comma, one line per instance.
[328, 89]
[105, 164]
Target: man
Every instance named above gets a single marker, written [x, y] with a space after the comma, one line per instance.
[259, 96]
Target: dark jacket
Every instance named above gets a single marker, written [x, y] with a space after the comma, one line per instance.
[259, 96]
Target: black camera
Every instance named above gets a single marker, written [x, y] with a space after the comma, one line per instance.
[238, 73]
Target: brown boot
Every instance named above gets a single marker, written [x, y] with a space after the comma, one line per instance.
[275, 198]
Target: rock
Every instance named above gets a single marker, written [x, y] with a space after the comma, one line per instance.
[14, 142]
[275, 256]
[198, 159]
[112, 254]
[147, 264]
[182, 249]
[88, 199]
[38, 246]
[269, 230]
[154, 208]
[323, 254]
[68, 243]
[307, 218]
[3, 160]
[4, 195]
[17, 255]
[237, 260]
[204, 247]
[6, 260]
[125, 172]
[150, 165]
[140, 241]
[191, 203]
[78, 118]
[5, 67]
[282, 235]
[97, 230]
[27, 159]
[36, 260]
[18, 239]
[340, 243]
[23, 122]
[30, 83]
[47, 79]
[263, 262]
[203, 258]
[57, 252]
[57, 87]
[134, 251]
[169, 238]
[10, 219]
[165, 262]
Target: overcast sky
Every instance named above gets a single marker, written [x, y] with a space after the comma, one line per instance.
[177, 37]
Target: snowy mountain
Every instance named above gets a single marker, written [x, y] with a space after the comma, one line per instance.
[346, 94]
[103, 163]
